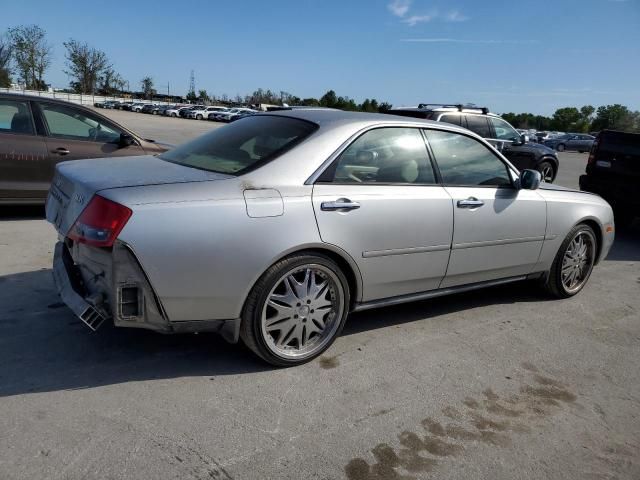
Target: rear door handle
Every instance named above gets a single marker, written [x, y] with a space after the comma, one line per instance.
[342, 204]
[471, 202]
[60, 151]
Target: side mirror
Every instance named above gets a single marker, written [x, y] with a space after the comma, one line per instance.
[521, 140]
[530, 179]
[125, 140]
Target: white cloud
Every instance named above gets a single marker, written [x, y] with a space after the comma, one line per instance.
[415, 19]
[399, 8]
[455, 16]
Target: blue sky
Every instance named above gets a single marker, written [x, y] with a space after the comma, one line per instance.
[515, 55]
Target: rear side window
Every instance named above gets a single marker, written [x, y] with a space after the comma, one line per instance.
[384, 156]
[479, 124]
[453, 119]
[243, 145]
[15, 117]
[464, 161]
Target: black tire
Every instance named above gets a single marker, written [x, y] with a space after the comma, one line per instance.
[560, 147]
[544, 167]
[554, 284]
[251, 329]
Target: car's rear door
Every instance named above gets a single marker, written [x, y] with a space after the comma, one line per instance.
[23, 154]
[74, 133]
[498, 229]
[380, 202]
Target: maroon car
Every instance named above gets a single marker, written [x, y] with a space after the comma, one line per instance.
[37, 133]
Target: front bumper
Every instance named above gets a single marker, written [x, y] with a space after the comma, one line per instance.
[99, 284]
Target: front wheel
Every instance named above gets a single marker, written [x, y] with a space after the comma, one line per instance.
[573, 264]
[296, 310]
[199, 117]
[547, 172]
[560, 147]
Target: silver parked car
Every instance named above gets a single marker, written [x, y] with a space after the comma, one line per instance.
[273, 228]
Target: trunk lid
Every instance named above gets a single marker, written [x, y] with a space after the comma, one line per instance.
[75, 182]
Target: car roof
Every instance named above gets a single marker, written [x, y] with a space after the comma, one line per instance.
[326, 117]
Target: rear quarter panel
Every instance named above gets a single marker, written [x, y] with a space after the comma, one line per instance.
[202, 256]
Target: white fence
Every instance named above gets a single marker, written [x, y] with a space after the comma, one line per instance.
[77, 97]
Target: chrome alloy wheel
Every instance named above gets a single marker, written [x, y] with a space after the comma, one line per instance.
[547, 173]
[302, 311]
[578, 261]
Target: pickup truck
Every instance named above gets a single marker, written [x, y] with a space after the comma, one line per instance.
[613, 172]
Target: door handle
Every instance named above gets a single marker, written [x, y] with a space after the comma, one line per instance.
[342, 204]
[60, 151]
[471, 202]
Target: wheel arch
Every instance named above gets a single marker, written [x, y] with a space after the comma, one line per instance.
[346, 263]
[598, 230]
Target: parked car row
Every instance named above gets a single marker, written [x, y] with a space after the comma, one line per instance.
[216, 113]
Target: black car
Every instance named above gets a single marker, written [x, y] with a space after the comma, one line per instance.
[518, 150]
[148, 108]
[613, 172]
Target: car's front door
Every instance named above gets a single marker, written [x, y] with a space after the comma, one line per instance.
[73, 134]
[23, 154]
[380, 202]
[498, 229]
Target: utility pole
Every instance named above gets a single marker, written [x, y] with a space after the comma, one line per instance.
[192, 84]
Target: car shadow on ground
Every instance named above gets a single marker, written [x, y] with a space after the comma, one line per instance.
[627, 244]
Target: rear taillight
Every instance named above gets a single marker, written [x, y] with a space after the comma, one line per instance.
[100, 222]
[592, 153]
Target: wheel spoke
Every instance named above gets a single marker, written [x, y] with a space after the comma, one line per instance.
[282, 313]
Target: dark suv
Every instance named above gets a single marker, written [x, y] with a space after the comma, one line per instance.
[613, 172]
[36, 133]
[518, 150]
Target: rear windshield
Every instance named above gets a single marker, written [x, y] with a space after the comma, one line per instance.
[243, 145]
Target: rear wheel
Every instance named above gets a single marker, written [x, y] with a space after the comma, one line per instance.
[547, 171]
[199, 117]
[296, 310]
[174, 114]
[573, 263]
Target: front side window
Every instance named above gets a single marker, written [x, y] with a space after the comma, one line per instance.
[74, 124]
[383, 156]
[504, 131]
[479, 124]
[241, 146]
[15, 117]
[465, 161]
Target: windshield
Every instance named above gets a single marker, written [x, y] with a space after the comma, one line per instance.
[243, 145]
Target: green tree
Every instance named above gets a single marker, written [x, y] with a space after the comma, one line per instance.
[616, 117]
[5, 62]
[147, 87]
[565, 119]
[31, 54]
[86, 66]
[203, 96]
[384, 107]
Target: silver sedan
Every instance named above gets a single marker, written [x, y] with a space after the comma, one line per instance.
[274, 228]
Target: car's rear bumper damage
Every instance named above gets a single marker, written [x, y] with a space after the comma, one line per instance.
[109, 284]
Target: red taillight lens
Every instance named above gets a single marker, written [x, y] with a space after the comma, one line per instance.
[100, 222]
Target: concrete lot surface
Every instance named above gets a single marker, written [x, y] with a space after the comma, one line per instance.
[495, 384]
